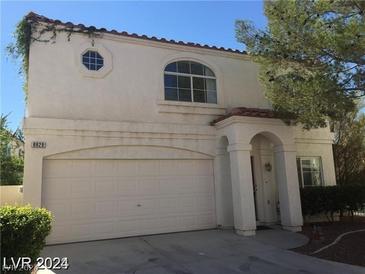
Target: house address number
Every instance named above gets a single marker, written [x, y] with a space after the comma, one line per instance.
[39, 144]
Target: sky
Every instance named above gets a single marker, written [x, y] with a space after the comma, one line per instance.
[205, 22]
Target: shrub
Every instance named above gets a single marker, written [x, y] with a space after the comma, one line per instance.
[332, 199]
[23, 231]
[11, 170]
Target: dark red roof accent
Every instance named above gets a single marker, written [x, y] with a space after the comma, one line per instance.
[249, 112]
[40, 18]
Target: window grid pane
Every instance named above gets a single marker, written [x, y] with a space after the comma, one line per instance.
[183, 82]
[183, 67]
[200, 96]
[211, 97]
[197, 68]
[170, 80]
[184, 95]
[171, 94]
[194, 82]
[171, 67]
[309, 171]
[92, 60]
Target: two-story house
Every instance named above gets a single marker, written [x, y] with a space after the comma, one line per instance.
[130, 135]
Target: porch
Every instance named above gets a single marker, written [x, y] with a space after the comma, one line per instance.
[256, 181]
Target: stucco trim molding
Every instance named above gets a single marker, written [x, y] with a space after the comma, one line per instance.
[239, 147]
[249, 120]
[124, 152]
[47, 125]
[189, 108]
[177, 47]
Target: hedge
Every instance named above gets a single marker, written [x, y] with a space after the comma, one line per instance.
[23, 231]
[332, 199]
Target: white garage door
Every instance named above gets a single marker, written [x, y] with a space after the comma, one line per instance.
[99, 199]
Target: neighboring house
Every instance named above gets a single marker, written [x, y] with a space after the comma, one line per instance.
[130, 135]
[16, 147]
[13, 144]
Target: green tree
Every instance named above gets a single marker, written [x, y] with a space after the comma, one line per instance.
[11, 165]
[311, 56]
[349, 148]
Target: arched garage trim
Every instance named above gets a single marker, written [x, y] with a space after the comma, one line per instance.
[131, 152]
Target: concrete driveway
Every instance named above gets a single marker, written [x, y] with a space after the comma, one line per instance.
[210, 251]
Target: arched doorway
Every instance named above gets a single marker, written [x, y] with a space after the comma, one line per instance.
[266, 196]
[250, 159]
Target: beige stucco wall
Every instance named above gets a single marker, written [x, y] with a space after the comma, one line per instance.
[73, 111]
[109, 140]
[11, 195]
[133, 89]
[314, 143]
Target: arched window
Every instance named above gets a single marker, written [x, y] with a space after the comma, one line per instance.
[190, 81]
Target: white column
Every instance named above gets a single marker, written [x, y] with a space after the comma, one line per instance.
[288, 186]
[242, 189]
[218, 188]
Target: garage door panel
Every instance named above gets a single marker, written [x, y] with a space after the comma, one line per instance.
[137, 207]
[81, 169]
[185, 167]
[91, 230]
[205, 220]
[169, 205]
[82, 209]
[203, 184]
[147, 168]
[187, 203]
[56, 169]
[171, 223]
[61, 210]
[126, 227]
[203, 168]
[82, 188]
[145, 207]
[126, 186]
[204, 203]
[169, 185]
[106, 209]
[105, 168]
[58, 232]
[126, 168]
[117, 198]
[56, 188]
[106, 187]
[148, 186]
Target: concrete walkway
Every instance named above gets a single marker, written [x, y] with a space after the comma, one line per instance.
[210, 251]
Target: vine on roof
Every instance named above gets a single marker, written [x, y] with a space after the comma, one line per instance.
[30, 30]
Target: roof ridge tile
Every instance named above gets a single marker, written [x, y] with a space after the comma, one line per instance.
[32, 16]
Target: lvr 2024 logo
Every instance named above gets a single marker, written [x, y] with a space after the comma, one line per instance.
[26, 264]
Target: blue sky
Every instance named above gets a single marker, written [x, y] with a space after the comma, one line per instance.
[203, 22]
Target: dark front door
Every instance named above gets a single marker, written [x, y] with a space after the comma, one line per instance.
[254, 186]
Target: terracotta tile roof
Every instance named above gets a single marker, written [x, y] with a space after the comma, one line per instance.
[249, 112]
[39, 18]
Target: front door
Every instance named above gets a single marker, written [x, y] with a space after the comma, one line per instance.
[254, 186]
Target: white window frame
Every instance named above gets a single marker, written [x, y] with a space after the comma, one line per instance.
[301, 182]
[191, 83]
[103, 51]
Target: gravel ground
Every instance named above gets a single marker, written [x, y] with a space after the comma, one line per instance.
[350, 249]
